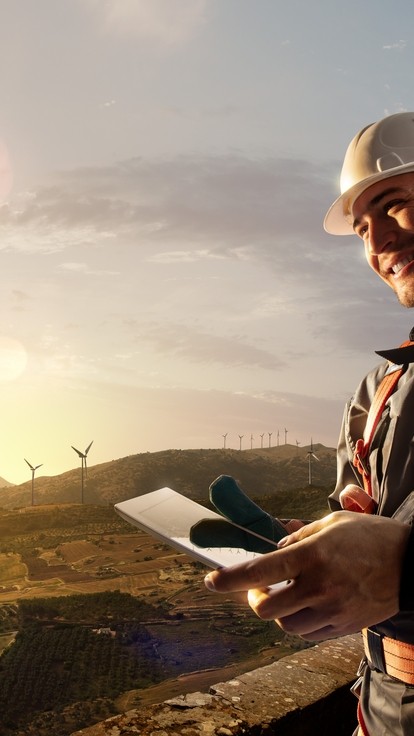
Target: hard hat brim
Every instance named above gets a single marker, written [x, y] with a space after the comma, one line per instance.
[338, 219]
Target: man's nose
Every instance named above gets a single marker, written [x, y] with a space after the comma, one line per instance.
[383, 236]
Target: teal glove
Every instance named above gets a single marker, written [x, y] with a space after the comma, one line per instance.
[229, 499]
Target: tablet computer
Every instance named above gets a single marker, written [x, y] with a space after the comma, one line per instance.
[169, 516]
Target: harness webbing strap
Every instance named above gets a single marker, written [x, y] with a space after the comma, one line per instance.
[362, 731]
[397, 656]
[384, 391]
[362, 447]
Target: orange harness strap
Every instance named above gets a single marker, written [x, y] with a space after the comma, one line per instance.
[382, 394]
[362, 730]
[397, 656]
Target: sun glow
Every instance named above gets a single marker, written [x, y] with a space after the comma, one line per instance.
[13, 359]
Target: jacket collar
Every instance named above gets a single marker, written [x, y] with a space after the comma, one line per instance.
[401, 355]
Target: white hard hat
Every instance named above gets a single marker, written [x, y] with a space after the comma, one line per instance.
[377, 152]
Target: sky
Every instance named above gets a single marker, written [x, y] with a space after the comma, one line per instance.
[165, 167]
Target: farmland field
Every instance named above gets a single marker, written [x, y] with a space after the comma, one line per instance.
[12, 569]
[191, 637]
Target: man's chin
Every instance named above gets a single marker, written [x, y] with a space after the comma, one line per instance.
[403, 289]
[406, 298]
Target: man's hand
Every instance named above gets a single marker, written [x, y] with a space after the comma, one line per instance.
[344, 574]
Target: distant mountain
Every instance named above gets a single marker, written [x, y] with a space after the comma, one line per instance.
[5, 483]
[261, 472]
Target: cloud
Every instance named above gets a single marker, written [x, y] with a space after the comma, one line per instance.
[201, 417]
[20, 299]
[6, 172]
[259, 213]
[183, 256]
[397, 46]
[74, 267]
[52, 220]
[190, 343]
[164, 22]
[84, 268]
[224, 202]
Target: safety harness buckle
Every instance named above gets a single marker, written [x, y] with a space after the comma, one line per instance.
[375, 650]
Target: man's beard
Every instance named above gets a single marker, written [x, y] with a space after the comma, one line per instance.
[405, 296]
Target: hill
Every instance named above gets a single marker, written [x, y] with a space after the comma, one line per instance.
[261, 472]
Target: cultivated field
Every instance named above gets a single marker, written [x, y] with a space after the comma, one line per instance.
[195, 638]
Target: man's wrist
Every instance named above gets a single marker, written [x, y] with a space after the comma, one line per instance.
[407, 575]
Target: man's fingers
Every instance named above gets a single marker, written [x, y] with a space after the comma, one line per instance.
[310, 623]
[263, 571]
[293, 525]
[308, 530]
[257, 597]
[270, 604]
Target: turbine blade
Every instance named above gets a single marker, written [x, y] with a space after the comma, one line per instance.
[78, 451]
[30, 466]
[88, 448]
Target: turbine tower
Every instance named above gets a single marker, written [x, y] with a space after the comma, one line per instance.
[83, 456]
[311, 456]
[33, 468]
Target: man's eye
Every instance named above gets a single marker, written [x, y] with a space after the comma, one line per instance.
[394, 203]
[362, 231]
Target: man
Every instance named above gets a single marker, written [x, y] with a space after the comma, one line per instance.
[353, 571]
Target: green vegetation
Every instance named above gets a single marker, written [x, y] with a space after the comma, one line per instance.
[60, 656]
[104, 608]
[47, 527]
[299, 503]
[88, 649]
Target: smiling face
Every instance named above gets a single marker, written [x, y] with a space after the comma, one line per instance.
[383, 217]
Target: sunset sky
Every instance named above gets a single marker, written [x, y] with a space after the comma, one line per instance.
[165, 166]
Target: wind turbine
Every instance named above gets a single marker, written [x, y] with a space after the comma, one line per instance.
[311, 455]
[83, 456]
[33, 468]
[240, 438]
[224, 440]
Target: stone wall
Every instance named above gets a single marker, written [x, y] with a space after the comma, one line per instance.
[305, 694]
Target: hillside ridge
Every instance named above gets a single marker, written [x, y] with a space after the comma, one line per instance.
[260, 471]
